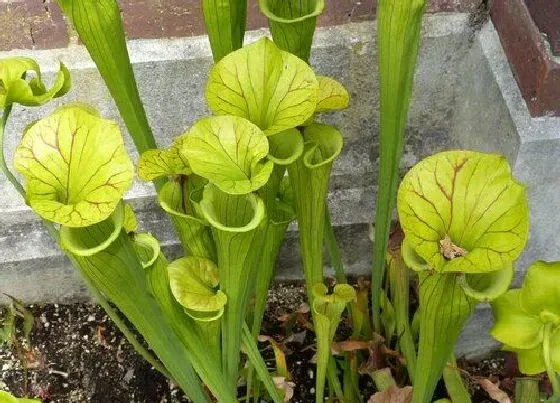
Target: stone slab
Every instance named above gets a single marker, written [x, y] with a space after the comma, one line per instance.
[536, 139]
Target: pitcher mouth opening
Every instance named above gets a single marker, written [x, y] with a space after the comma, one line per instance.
[218, 207]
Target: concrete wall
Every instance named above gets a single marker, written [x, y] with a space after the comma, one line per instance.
[464, 96]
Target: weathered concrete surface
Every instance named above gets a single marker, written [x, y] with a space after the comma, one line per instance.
[464, 96]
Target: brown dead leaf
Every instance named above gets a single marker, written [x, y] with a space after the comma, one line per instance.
[34, 360]
[393, 395]
[494, 391]
[279, 356]
[349, 345]
[285, 387]
[299, 317]
[100, 335]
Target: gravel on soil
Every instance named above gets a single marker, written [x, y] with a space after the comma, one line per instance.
[77, 355]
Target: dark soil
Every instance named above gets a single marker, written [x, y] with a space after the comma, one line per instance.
[77, 355]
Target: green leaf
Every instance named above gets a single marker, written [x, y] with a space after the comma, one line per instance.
[79, 242]
[332, 305]
[285, 147]
[8, 328]
[229, 152]
[530, 361]
[274, 238]
[28, 319]
[225, 22]
[5, 397]
[273, 89]
[147, 248]
[555, 353]
[117, 272]
[486, 287]
[130, 223]
[327, 309]
[277, 196]
[454, 384]
[399, 287]
[75, 166]
[462, 211]
[444, 310]
[100, 28]
[388, 317]
[332, 95]
[540, 293]
[15, 88]
[193, 282]
[514, 326]
[238, 229]
[191, 226]
[205, 361]
[323, 143]
[309, 176]
[258, 363]
[291, 11]
[163, 162]
[292, 23]
[398, 39]
[411, 258]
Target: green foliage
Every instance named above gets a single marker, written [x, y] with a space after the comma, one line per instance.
[327, 309]
[75, 166]
[332, 95]
[462, 212]
[10, 325]
[225, 190]
[272, 88]
[465, 221]
[398, 38]
[237, 229]
[527, 318]
[228, 151]
[99, 25]
[5, 397]
[310, 176]
[16, 88]
[163, 162]
[292, 23]
[223, 184]
[193, 283]
[225, 23]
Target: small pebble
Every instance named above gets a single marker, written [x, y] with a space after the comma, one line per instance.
[129, 375]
